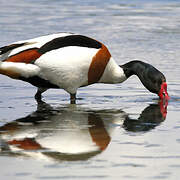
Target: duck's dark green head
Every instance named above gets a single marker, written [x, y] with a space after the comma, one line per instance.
[150, 77]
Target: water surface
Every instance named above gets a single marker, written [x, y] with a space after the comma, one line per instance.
[115, 131]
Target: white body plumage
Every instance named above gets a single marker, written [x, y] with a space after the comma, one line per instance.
[63, 60]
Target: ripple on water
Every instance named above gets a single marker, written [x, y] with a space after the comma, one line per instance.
[139, 143]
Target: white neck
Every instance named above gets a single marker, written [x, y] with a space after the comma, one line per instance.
[113, 73]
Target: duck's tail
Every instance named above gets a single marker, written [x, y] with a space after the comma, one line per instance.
[2, 54]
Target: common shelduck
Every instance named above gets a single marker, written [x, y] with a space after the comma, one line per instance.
[70, 61]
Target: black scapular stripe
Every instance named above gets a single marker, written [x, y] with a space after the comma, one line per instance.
[5, 49]
[72, 40]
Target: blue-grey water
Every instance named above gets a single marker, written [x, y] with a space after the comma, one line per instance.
[115, 131]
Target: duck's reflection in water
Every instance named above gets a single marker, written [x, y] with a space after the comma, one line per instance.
[149, 118]
[70, 133]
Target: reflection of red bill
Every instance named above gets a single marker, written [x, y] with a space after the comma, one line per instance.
[163, 108]
[163, 92]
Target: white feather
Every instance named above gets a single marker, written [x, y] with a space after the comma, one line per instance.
[113, 73]
[25, 70]
[67, 67]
